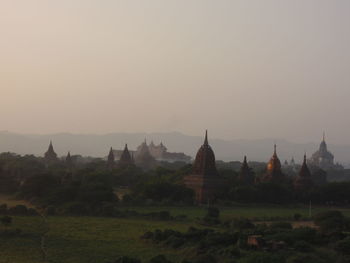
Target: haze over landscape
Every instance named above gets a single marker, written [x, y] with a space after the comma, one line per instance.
[174, 131]
[226, 150]
[242, 69]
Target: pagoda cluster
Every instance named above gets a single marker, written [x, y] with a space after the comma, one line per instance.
[206, 181]
[126, 159]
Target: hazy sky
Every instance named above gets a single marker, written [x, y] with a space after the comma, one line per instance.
[242, 69]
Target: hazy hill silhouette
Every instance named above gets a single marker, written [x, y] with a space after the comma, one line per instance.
[98, 145]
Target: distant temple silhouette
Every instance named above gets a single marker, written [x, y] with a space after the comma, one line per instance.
[246, 175]
[143, 157]
[156, 152]
[274, 169]
[69, 161]
[304, 180]
[50, 155]
[126, 159]
[323, 158]
[204, 180]
[110, 159]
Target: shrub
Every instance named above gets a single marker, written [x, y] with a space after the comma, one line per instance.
[343, 246]
[297, 216]
[212, 216]
[217, 240]
[331, 222]
[291, 236]
[271, 192]
[106, 209]
[175, 242]
[161, 191]
[3, 209]
[260, 257]
[10, 232]
[241, 223]
[303, 246]
[309, 258]
[207, 258]
[6, 220]
[162, 215]
[32, 212]
[50, 210]
[96, 193]
[127, 260]
[213, 212]
[159, 259]
[18, 210]
[281, 225]
[75, 208]
[195, 235]
[39, 186]
[306, 234]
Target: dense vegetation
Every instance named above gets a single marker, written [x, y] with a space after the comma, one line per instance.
[209, 238]
[148, 216]
[91, 188]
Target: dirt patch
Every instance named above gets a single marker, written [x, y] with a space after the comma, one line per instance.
[11, 201]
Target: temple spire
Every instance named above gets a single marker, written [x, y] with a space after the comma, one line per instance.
[324, 136]
[125, 159]
[50, 146]
[206, 138]
[50, 154]
[69, 161]
[246, 175]
[275, 149]
[110, 158]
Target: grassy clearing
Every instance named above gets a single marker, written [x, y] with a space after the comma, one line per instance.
[84, 239]
[99, 240]
[252, 212]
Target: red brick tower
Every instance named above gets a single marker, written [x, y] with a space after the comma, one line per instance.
[205, 180]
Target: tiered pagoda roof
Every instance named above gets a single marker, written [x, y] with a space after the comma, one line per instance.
[125, 159]
[204, 180]
[304, 180]
[204, 163]
[246, 175]
[274, 169]
[50, 154]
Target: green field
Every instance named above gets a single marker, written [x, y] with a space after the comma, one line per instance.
[254, 212]
[99, 240]
[84, 239]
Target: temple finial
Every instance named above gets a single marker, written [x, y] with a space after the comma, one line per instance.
[206, 138]
[245, 159]
[324, 136]
[275, 149]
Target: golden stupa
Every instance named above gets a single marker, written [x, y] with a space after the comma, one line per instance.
[274, 165]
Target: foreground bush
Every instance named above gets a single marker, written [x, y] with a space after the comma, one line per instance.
[331, 222]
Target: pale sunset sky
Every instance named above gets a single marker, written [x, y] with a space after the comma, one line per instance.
[241, 68]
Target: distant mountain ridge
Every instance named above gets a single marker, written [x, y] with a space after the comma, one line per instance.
[227, 150]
